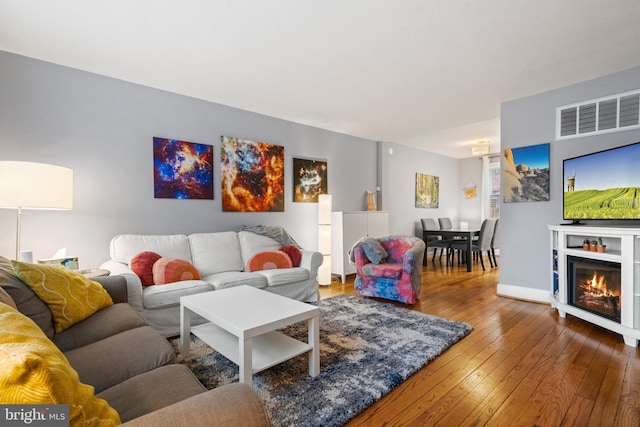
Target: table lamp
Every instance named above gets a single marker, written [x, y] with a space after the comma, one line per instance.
[28, 185]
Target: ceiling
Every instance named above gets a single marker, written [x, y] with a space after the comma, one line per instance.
[430, 74]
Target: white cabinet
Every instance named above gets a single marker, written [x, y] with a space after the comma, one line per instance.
[623, 247]
[346, 229]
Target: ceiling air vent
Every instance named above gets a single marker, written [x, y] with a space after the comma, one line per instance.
[610, 114]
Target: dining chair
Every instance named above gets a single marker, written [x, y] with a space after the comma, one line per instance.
[445, 223]
[482, 245]
[495, 241]
[434, 241]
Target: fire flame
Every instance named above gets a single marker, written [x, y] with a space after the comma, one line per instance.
[597, 286]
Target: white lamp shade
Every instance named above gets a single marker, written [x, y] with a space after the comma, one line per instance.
[324, 239]
[30, 185]
[324, 271]
[324, 209]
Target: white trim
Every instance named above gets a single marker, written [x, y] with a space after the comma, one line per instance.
[519, 292]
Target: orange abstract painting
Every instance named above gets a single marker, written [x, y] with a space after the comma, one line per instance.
[252, 176]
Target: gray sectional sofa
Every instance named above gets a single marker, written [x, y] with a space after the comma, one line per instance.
[130, 365]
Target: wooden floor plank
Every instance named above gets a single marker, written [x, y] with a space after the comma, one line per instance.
[522, 365]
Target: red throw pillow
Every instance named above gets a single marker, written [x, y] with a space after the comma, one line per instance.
[294, 253]
[142, 265]
[269, 260]
[169, 270]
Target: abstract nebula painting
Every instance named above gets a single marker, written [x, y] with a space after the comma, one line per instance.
[427, 191]
[252, 176]
[309, 180]
[182, 170]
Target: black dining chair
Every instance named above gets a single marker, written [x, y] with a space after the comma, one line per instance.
[434, 241]
[495, 241]
[446, 224]
[482, 245]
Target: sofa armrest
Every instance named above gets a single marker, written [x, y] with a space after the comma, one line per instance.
[116, 286]
[234, 404]
[311, 260]
[134, 284]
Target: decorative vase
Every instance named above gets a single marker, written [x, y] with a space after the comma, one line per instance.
[593, 247]
[601, 248]
[585, 247]
[371, 201]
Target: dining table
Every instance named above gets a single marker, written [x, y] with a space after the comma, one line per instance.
[460, 233]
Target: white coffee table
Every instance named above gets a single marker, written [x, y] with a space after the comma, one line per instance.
[243, 328]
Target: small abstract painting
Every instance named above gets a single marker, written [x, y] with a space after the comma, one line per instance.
[182, 170]
[252, 176]
[526, 174]
[427, 191]
[309, 180]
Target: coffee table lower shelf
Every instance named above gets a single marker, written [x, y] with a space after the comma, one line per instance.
[267, 350]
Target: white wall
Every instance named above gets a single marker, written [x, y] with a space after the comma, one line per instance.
[524, 242]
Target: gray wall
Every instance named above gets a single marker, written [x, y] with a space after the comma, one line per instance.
[102, 128]
[524, 256]
[469, 209]
[398, 187]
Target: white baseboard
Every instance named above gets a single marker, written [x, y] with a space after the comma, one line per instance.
[529, 294]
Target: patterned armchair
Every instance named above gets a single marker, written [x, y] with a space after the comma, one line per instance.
[389, 267]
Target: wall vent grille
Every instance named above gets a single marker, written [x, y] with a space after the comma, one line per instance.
[609, 114]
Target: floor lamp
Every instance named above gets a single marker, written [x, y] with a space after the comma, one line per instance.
[324, 238]
[28, 185]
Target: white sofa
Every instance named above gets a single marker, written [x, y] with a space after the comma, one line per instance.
[220, 258]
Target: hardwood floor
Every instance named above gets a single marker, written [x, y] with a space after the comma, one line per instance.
[522, 365]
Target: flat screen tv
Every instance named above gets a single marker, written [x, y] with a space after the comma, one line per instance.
[603, 186]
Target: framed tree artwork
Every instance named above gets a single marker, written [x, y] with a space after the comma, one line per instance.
[427, 191]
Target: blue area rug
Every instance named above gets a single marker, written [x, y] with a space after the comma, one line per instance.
[367, 349]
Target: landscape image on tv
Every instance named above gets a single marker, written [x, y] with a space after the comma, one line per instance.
[603, 185]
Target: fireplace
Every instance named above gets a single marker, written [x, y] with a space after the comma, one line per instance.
[594, 285]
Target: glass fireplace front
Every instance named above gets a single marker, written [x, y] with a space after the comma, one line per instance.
[594, 285]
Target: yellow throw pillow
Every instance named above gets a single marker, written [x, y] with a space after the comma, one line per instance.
[71, 297]
[33, 371]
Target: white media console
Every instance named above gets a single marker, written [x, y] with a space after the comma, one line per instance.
[623, 246]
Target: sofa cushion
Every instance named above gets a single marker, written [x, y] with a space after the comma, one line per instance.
[170, 270]
[152, 390]
[26, 300]
[142, 265]
[157, 296]
[70, 296]
[252, 243]
[270, 260]
[284, 276]
[386, 270]
[104, 323]
[294, 253]
[216, 252]
[125, 246]
[230, 279]
[122, 356]
[34, 371]
[5, 298]
[372, 249]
